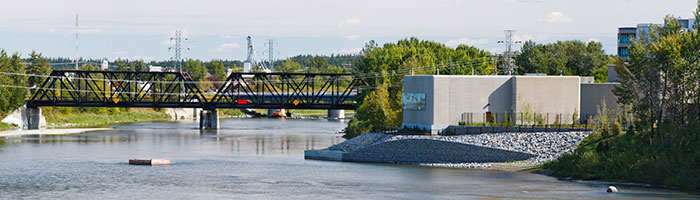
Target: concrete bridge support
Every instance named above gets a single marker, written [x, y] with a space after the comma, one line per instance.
[33, 118]
[336, 114]
[209, 119]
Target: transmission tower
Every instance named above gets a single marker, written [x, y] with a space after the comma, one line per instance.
[178, 48]
[509, 48]
[271, 51]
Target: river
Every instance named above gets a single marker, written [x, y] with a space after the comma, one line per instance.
[251, 159]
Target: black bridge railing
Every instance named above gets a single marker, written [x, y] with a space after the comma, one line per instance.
[177, 90]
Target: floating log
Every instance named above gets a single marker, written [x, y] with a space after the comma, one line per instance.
[149, 161]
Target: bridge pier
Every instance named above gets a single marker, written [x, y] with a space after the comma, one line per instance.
[209, 119]
[336, 114]
[33, 118]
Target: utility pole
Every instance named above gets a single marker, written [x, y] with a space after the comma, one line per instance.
[509, 48]
[76, 41]
[178, 48]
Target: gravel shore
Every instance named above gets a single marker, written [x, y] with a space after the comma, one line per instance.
[546, 146]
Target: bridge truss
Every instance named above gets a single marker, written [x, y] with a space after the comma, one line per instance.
[177, 90]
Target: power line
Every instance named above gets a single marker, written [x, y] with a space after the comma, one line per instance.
[388, 73]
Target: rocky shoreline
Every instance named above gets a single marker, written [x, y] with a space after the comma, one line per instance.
[541, 146]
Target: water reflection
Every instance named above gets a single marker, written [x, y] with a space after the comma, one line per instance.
[249, 159]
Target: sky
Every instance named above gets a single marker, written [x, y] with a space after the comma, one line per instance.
[141, 29]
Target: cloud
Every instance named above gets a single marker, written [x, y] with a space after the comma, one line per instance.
[225, 37]
[167, 42]
[467, 41]
[349, 51]
[557, 17]
[89, 31]
[352, 37]
[51, 30]
[120, 52]
[225, 47]
[350, 21]
[593, 40]
[527, 37]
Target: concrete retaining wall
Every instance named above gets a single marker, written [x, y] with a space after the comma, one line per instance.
[553, 96]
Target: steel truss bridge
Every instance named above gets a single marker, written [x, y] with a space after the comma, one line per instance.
[75, 88]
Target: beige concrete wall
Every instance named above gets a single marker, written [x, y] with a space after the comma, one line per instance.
[449, 98]
[593, 94]
[612, 74]
[547, 95]
[474, 96]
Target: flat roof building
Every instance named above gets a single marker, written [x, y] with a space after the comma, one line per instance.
[625, 35]
[433, 102]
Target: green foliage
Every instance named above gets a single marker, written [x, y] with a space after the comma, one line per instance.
[374, 114]
[39, 66]
[138, 66]
[566, 58]
[121, 65]
[195, 69]
[660, 85]
[384, 68]
[506, 118]
[289, 66]
[12, 97]
[217, 69]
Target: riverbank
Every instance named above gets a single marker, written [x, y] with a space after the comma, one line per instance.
[19, 133]
[70, 117]
[507, 151]
[630, 158]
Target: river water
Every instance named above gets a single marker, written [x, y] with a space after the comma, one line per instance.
[251, 159]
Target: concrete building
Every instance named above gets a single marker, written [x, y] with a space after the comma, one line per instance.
[594, 95]
[434, 102]
[626, 34]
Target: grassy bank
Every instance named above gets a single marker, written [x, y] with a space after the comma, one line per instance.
[631, 157]
[6, 126]
[97, 116]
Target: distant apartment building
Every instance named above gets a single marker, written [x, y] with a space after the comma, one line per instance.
[625, 35]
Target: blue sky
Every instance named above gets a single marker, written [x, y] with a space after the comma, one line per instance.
[217, 29]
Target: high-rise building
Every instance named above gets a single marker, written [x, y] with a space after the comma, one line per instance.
[625, 35]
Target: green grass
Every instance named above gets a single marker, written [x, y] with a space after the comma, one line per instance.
[230, 112]
[87, 118]
[6, 126]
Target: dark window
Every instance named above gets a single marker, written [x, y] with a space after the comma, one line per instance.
[623, 53]
[625, 38]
